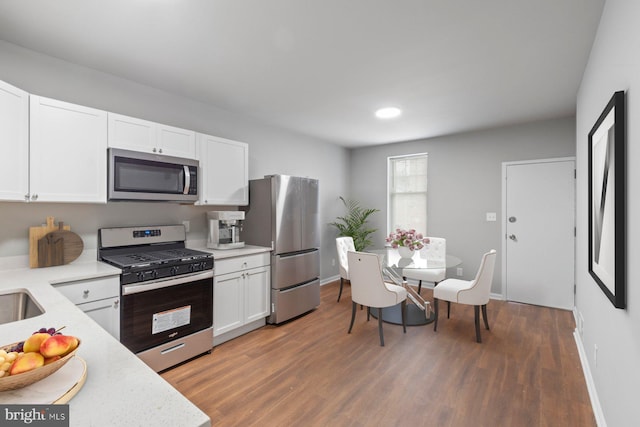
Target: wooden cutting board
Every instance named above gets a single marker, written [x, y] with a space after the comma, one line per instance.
[50, 251]
[71, 243]
[36, 233]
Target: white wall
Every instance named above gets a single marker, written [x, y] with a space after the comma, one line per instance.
[271, 151]
[464, 182]
[614, 64]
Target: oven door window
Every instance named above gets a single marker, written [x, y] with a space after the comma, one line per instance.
[158, 316]
[146, 176]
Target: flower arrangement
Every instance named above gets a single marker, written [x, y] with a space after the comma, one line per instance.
[407, 238]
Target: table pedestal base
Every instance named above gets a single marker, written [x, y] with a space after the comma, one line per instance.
[415, 316]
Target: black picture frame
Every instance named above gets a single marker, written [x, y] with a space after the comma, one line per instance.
[607, 246]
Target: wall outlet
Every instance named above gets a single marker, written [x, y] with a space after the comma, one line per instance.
[187, 225]
[333, 262]
[491, 216]
[459, 271]
[595, 355]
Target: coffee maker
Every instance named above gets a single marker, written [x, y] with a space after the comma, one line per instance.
[225, 228]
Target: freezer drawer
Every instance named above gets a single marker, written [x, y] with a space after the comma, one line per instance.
[292, 302]
[289, 270]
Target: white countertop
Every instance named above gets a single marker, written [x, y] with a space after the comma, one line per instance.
[120, 389]
[231, 253]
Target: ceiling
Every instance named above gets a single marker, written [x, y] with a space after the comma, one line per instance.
[322, 67]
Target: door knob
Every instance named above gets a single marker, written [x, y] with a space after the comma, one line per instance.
[513, 237]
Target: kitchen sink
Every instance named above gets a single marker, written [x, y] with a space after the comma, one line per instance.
[18, 305]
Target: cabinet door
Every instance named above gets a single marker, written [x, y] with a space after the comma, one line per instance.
[257, 294]
[130, 133]
[228, 303]
[135, 134]
[106, 313]
[176, 142]
[224, 170]
[14, 143]
[68, 152]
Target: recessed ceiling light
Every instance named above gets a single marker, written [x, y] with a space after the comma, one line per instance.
[388, 113]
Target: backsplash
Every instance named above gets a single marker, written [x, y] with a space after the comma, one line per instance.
[86, 219]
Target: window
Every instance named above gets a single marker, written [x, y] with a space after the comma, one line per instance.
[407, 192]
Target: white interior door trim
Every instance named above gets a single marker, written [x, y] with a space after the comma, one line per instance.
[503, 249]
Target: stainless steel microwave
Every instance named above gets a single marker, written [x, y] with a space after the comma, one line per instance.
[151, 177]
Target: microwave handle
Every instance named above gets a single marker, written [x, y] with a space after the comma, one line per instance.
[187, 179]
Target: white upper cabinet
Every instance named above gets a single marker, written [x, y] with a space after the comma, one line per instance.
[67, 152]
[149, 137]
[14, 143]
[176, 142]
[224, 171]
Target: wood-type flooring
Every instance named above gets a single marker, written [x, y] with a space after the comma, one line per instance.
[310, 372]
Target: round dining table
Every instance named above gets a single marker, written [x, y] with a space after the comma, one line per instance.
[393, 264]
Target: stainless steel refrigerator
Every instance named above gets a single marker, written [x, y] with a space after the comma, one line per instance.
[283, 214]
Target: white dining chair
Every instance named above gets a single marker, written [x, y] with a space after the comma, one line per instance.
[435, 250]
[343, 245]
[369, 288]
[471, 292]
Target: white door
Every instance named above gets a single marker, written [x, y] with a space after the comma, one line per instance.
[106, 313]
[228, 302]
[67, 151]
[257, 290]
[539, 239]
[130, 133]
[224, 171]
[177, 142]
[14, 143]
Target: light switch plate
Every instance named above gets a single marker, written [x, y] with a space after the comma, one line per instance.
[491, 216]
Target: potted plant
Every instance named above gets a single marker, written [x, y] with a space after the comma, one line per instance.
[354, 223]
[406, 241]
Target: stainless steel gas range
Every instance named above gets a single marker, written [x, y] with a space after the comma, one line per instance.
[166, 312]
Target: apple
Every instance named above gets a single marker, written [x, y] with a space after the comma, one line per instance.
[26, 362]
[58, 345]
[32, 344]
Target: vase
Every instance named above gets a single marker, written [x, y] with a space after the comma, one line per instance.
[405, 252]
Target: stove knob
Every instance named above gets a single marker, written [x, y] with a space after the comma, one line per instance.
[154, 273]
[203, 265]
[140, 276]
[173, 271]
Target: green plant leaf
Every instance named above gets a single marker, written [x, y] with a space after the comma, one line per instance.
[354, 223]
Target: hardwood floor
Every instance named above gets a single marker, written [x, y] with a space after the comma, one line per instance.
[311, 372]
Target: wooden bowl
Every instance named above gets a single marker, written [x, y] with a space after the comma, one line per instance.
[24, 379]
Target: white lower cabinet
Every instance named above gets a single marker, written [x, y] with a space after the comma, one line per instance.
[241, 289]
[99, 298]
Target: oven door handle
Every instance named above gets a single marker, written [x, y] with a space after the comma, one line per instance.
[143, 287]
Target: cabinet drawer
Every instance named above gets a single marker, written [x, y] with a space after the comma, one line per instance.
[229, 265]
[82, 291]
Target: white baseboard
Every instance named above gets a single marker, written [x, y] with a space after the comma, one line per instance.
[591, 387]
[329, 279]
